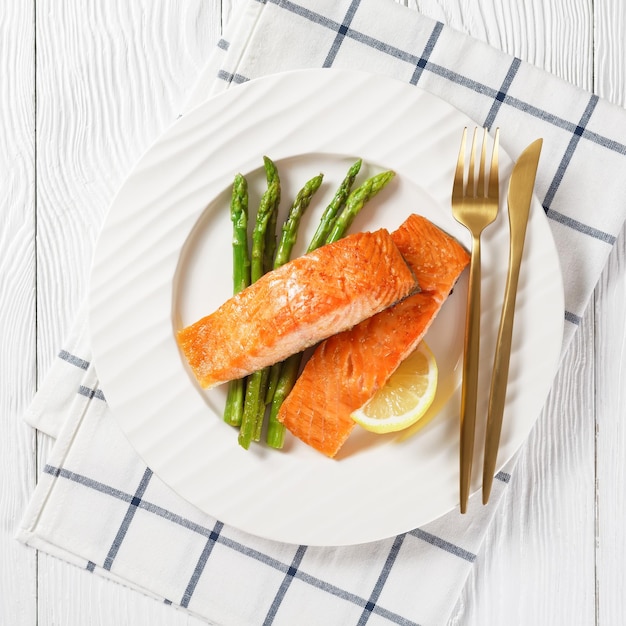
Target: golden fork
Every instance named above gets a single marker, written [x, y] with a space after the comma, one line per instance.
[475, 206]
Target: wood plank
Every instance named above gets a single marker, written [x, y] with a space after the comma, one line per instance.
[17, 313]
[610, 305]
[611, 435]
[110, 77]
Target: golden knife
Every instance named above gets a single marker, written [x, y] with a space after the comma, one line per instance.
[520, 196]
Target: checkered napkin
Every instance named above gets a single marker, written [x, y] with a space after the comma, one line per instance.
[97, 505]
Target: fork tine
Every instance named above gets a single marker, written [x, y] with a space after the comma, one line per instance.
[471, 176]
[481, 169]
[458, 186]
[493, 191]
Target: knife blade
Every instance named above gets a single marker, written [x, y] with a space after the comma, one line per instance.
[520, 195]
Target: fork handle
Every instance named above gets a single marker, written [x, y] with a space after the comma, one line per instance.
[469, 388]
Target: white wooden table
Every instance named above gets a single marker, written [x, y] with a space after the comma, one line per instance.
[85, 86]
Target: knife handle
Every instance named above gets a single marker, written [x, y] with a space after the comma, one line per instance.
[500, 372]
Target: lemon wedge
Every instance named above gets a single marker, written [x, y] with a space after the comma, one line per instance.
[405, 397]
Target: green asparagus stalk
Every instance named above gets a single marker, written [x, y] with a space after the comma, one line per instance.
[239, 218]
[355, 203]
[330, 213]
[233, 410]
[289, 369]
[289, 236]
[271, 174]
[267, 207]
[249, 424]
[288, 372]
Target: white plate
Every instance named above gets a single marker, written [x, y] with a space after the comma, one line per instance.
[164, 259]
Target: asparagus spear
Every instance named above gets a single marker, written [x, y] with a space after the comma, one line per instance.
[289, 234]
[330, 213]
[233, 409]
[271, 174]
[289, 369]
[288, 372]
[249, 427]
[258, 380]
[355, 203]
[267, 207]
[239, 218]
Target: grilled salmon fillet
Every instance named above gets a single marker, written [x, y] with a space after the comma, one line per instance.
[296, 306]
[348, 368]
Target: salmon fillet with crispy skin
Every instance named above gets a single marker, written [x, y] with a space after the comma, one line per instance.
[347, 369]
[296, 306]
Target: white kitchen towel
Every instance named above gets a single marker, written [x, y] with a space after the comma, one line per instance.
[97, 505]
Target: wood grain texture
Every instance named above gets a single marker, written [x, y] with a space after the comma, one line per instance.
[17, 313]
[610, 398]
[610, 305]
